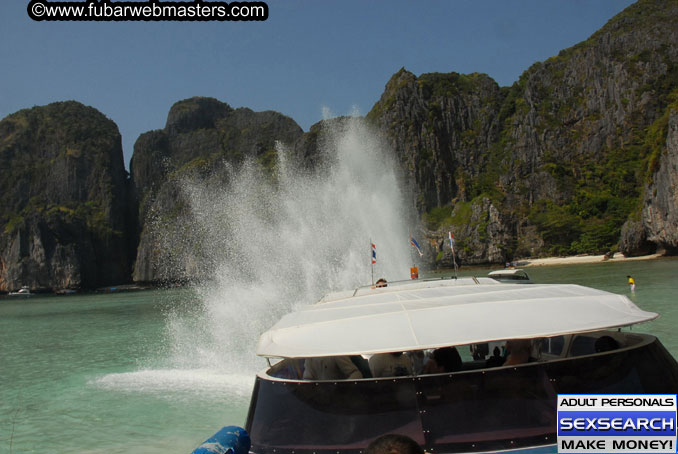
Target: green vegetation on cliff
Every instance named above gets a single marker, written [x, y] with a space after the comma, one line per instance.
[37, 144]
[63, 199]
[566, 150]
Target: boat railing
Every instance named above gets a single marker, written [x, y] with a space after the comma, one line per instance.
[407, 283]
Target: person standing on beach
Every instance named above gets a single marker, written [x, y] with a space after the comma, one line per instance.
[632, 284]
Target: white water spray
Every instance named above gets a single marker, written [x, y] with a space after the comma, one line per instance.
[284, 241]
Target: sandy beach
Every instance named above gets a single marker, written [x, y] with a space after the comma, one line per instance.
[579, 259]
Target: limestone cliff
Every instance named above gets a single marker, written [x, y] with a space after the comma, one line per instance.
[562, 155]
[440, 126]
[63, 198]
[580, 155]
[202, 139]
[660, 212]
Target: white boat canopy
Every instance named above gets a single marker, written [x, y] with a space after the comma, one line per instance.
[432, 314]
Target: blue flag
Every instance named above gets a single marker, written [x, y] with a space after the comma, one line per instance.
[414, 243]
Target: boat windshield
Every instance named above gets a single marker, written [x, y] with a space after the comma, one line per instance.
[477, 410]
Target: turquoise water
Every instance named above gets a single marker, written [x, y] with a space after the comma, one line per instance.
[104, 373]
[91, 374]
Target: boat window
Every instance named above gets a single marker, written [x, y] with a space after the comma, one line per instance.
[496, 409]
[289, 368]
[629, 339]
[582, 345]
[595, 343]
[487, 355]
[553, 345]
[331, 415]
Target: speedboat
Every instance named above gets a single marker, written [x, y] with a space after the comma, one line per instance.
[486, 403]
[23, 291]
[510, 276]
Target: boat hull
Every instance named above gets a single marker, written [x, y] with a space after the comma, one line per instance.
[486, 410]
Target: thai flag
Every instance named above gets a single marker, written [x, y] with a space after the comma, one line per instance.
[451, 241]
[414, 243]
[374, 254]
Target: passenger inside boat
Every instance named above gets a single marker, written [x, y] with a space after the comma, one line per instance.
[394, 364]
[448, 359]
[381, 283]
[331, 368]
[519, 352]
[418, 359]
[496, 360]
[362, 364]
[290, 368]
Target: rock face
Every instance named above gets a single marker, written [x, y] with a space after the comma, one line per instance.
[202, 140]
[580, 155]
[440, 126]
[63, 200]
[481, 238]
[633, 241]
[562, 155]
[660, 213]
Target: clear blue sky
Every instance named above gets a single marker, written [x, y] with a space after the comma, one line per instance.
[308, 55]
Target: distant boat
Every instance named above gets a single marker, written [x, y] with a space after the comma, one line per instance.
[509, 276]
[23, 291]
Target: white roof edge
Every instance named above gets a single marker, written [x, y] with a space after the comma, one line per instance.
[434, 346]
[445, 313]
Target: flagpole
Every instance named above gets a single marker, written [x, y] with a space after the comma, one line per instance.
[454, 257]
[372, 259]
